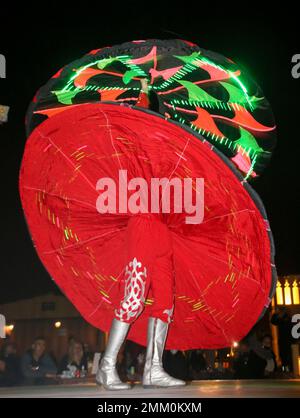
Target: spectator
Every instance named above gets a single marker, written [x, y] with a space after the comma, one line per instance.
[140, 364]
[283, 321]
[209, 356]
[271, 365]
[131, 362]
[10, 371]
[262, 361]
[197, 364]
[75, 360]
[241, 362]
[37, 366]
[175, 363]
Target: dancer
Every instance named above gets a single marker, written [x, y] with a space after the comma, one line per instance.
[155, 110]
[150, 263]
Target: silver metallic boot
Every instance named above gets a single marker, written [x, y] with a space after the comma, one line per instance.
[154, 374]
[107, 374]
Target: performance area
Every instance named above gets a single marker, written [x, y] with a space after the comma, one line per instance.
[196, 389]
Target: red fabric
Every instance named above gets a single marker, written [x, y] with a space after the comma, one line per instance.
[143, 100]
[149, 263]
[221, 266]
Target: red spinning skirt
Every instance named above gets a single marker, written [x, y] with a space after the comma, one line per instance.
[223, 266]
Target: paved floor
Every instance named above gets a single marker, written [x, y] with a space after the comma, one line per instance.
[196, 389]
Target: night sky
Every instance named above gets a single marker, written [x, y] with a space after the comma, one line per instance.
[37, 46]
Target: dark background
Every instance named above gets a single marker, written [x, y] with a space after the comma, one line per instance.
[37, 44]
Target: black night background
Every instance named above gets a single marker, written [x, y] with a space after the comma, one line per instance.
[36, 45]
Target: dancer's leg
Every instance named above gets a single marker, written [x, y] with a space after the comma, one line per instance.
[139, 263]
[136, 281]
[162, 285]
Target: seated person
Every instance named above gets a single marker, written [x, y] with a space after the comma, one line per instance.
[10, 372]
[36, 365]
[254, 359]
[75, 360]
[175, 363]
[197, 364]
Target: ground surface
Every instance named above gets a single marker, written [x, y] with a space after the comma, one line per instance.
[198, 389]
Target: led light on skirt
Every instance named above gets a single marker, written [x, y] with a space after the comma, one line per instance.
[178, 79]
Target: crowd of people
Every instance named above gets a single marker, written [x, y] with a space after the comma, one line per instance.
[250, 359]
[37, 366]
